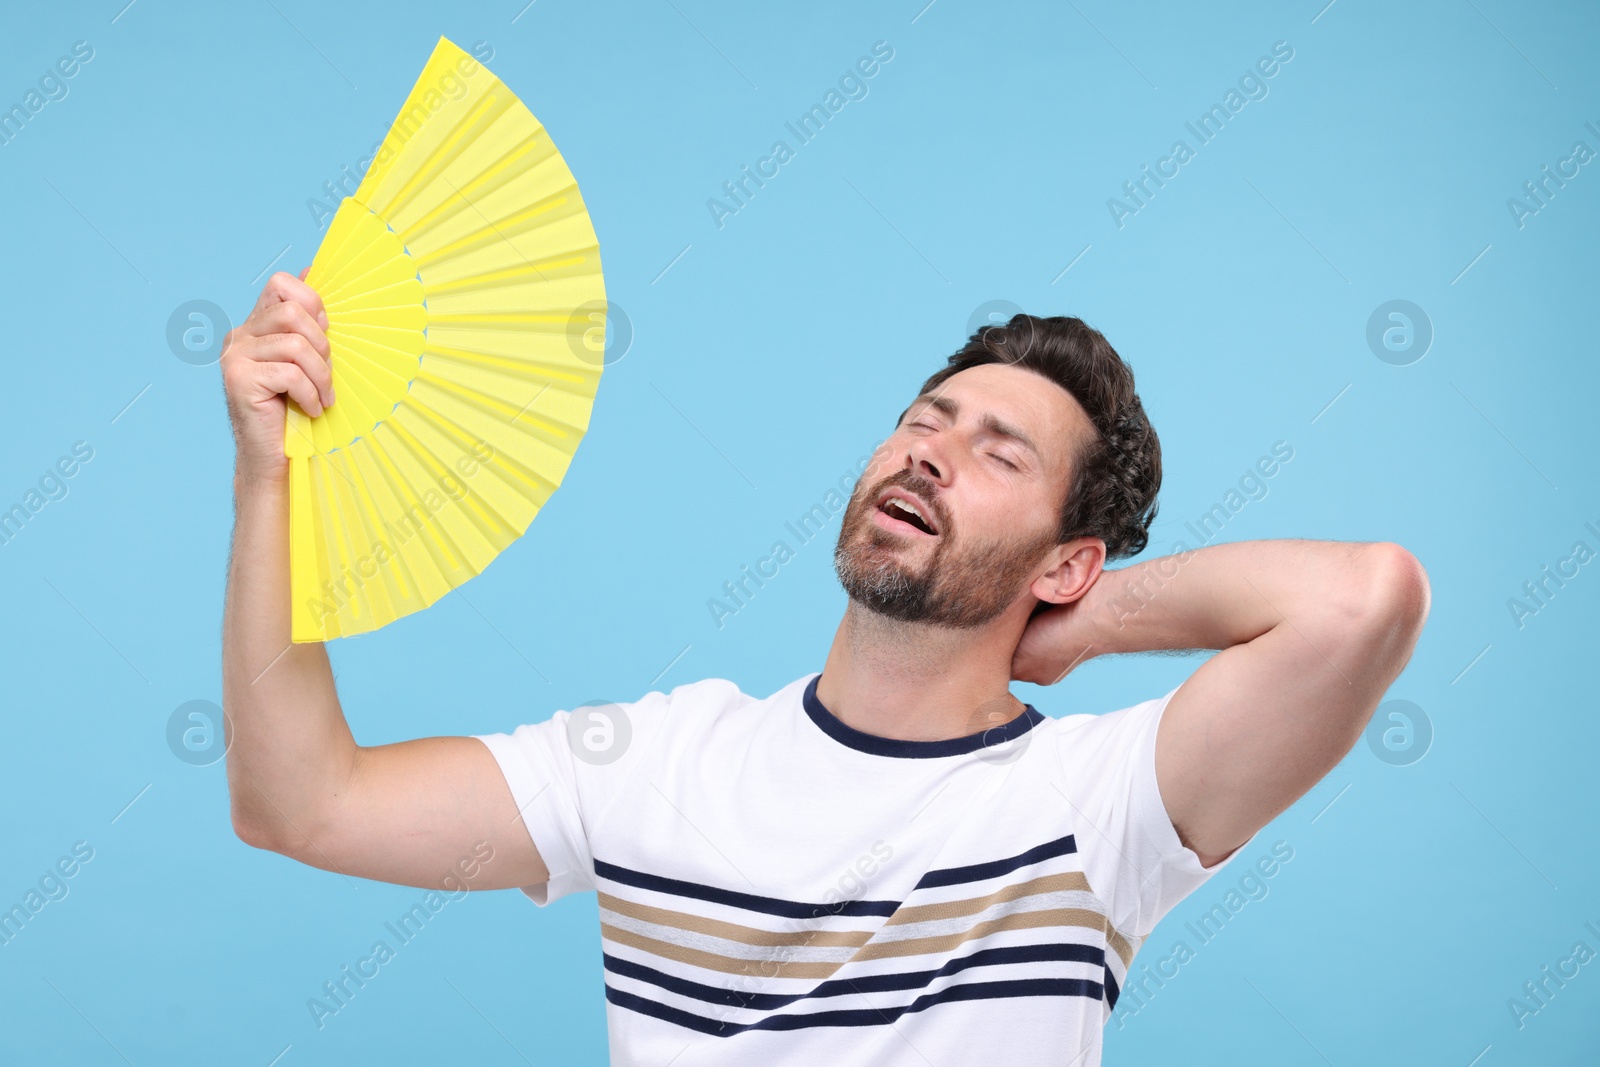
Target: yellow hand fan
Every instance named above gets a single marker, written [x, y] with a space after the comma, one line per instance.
[466, 323]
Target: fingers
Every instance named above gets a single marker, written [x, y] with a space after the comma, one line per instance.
[292, 347]
[287, 328]
[303, 272]
[291, 378]
[286, 318]
[284, 287]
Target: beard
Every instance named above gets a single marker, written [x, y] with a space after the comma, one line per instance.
[960, 586]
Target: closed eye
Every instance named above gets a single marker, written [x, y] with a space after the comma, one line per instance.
[1009, 465]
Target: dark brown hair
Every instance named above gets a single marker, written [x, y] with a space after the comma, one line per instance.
[1115, 479]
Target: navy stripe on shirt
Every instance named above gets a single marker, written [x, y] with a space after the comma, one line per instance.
[1024, 987]
[1112, 990]
[868, 983]
[789, 909]
[793, 909]
[977, 872]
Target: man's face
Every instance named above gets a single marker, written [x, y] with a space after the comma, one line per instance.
[952, 522]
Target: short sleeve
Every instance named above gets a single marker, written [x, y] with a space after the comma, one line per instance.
[1134, 858]
[563, 775]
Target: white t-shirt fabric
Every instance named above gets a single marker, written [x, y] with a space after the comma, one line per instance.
[778, 888]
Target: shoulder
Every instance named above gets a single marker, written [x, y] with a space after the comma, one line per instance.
[714, 696]
[1099, 757]
[706, 693]
[704, 704]
[1092, 732]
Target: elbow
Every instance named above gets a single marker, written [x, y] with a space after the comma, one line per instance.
[1395, 597]
[1401, 586]
[254, 833]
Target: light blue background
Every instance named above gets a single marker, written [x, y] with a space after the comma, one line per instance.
[771, 356]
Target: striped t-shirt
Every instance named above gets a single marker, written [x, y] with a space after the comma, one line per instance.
[777, 888]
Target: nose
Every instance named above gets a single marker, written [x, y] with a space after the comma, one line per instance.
[926, 457]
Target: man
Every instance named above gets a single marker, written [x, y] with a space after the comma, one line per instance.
[895, 860]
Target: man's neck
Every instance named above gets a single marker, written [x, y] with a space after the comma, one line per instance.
[916, 682]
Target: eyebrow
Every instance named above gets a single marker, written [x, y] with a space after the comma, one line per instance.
[990, 422]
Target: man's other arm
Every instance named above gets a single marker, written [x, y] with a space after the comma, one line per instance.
[410, 812]
[1311, 635]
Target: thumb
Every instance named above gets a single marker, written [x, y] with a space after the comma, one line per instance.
[304, 272]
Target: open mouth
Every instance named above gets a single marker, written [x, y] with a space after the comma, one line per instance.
[902, 508]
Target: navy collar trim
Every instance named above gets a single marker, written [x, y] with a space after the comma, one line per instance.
[874, 745]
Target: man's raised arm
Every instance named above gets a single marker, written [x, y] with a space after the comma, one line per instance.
[1311, 633]
[411, 812]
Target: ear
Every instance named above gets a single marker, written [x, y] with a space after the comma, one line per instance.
[1075, 566]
